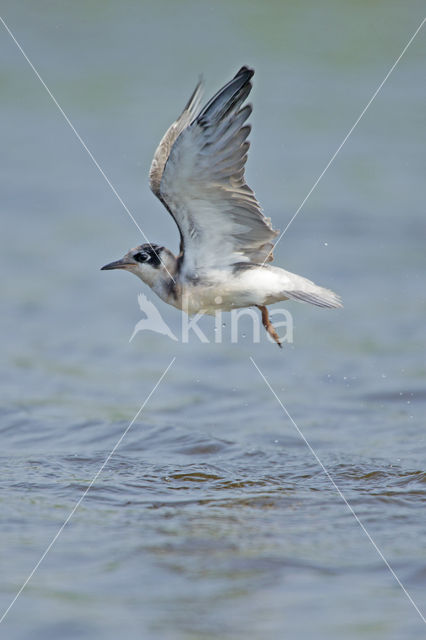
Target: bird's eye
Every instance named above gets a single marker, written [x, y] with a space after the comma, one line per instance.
[141, 257]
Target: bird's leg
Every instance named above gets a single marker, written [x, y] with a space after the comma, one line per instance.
[269, 326]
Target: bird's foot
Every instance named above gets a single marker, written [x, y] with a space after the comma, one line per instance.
[269, 326]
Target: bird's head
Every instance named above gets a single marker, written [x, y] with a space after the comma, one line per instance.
[149, 262]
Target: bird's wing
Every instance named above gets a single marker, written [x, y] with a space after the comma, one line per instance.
[203, 186]
[162, 152]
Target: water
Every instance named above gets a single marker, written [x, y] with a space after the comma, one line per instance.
[212, 519]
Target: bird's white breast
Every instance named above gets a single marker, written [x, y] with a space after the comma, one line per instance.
[231, 289]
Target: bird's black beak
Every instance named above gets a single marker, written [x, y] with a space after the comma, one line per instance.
[118, 264]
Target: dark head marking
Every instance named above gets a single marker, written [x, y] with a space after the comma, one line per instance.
[149, 253]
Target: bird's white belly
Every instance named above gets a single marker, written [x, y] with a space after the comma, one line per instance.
[228, 290]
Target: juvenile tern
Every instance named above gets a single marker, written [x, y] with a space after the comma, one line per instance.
[225, 240]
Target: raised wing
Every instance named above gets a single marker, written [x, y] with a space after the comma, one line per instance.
[202, 184]
[162, 152]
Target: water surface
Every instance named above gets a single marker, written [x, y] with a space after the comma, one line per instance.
[212, 519]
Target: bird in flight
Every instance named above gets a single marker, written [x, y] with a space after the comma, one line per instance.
[225, 240]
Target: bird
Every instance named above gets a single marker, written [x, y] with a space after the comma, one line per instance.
[226, 242]
[153, 320]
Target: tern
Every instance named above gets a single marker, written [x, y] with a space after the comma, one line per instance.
[225, 240]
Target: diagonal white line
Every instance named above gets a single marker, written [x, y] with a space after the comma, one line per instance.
[347, 135]
[330, 477]
[84, 145]
[84, 494]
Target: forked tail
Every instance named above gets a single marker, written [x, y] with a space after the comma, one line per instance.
[319, 296]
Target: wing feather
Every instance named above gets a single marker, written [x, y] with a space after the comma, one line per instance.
[163, 150]
[201, 182]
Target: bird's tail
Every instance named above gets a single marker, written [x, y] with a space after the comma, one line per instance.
[319, 296]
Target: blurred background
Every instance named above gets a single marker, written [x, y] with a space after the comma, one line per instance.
[212, 520]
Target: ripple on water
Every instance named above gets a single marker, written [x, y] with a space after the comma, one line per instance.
[411, 395]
